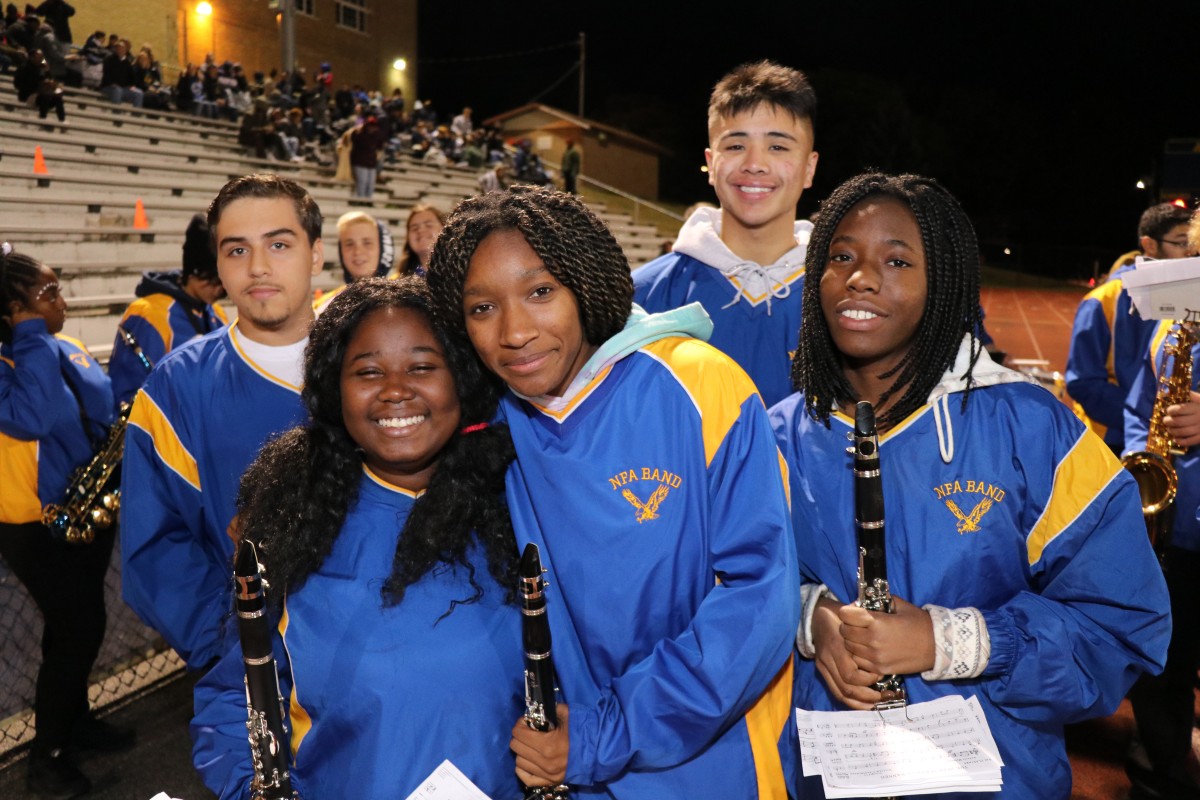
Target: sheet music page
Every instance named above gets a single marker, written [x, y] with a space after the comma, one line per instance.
[810, 758]
[940, 745]
[447, 783]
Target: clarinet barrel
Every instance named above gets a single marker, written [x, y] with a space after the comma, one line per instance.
[874, 592]
[269, 747]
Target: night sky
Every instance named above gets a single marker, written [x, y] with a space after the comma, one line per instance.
[1042, 126]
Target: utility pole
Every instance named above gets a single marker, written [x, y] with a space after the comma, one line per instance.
[287, 34]
[582, 64]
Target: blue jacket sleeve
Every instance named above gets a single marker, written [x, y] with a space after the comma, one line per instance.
[1098, 613]
[127, 371]
[1139, 405]
[169, 574]
[220, 748]
[691, 688]
[28, 400]
[1087, 365]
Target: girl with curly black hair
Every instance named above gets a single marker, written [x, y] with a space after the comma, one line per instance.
[647, 477]
[387, 544]
[1006, 518]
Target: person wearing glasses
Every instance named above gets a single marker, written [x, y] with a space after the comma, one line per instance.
[1109, 339]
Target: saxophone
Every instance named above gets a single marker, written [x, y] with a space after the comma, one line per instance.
[1152, 468]
[94, 496]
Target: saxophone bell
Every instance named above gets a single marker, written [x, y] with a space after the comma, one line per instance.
[1153, 468]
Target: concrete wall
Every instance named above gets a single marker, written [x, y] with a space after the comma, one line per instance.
[246, 31]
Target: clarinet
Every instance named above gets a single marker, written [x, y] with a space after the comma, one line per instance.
[133, 345]
[264, 703]
[540, 711]
[874, 593]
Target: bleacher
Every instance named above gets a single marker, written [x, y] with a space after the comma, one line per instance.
[78, 217]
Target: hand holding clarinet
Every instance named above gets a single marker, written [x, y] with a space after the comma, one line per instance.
[865, 648]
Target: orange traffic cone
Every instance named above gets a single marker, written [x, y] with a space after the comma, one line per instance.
[139, 216]
[39, 162]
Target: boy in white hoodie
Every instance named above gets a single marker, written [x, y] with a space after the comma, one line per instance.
[744, 262]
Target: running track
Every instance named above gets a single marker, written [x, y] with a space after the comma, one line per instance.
[1032, 323]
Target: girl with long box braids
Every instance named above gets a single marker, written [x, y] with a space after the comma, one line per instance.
[647, 475]
[1014, 539]
[382, 527]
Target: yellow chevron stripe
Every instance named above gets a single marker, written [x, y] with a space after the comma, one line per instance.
[19, 502]
[156, 310]
[765, 723]
[147, 416]
[301, 721]
[1079, 478]
[718, 393]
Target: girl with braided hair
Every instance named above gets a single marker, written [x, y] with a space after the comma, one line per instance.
[1011, 551]
[56, 405]
[390, 554]
[648, 478]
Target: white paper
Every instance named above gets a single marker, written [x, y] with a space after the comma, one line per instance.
[447, 783]
[943, 745]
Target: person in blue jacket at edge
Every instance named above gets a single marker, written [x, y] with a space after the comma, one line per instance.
[1014, 539]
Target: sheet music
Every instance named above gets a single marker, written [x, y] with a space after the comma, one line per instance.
[447, 783]
[938, 746]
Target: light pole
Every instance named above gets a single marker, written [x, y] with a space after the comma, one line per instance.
[287, 34]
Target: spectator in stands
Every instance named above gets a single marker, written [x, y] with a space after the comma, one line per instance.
[208, 407]
[425, 223]
[22, 30]
[257, 133]
[35, 86]
[571, 165]
[148, 78]
[745, 262]
[473, 153]
[55, 402]
[365, 250]
[365, 144]
[325, 75]
[172, 309]
[117, 84]
[461, 125]
[1109, 339]
[58, 13]
[287, 125]
[396, 100]
[54, 51]
[494, 179]
[214, 91]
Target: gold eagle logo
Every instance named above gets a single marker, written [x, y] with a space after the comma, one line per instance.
[969, 523]
[649, 509]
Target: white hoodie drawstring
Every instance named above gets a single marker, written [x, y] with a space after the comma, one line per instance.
[941, 408]
[749, 273]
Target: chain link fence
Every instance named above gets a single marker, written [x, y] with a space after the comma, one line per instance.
[132, 658]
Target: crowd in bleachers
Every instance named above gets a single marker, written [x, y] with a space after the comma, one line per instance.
[285, 115]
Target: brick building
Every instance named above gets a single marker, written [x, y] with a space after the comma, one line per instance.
[361, 38]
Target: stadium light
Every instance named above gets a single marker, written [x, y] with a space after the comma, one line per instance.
[1141, 184]
[204, 9]
[399, 65]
